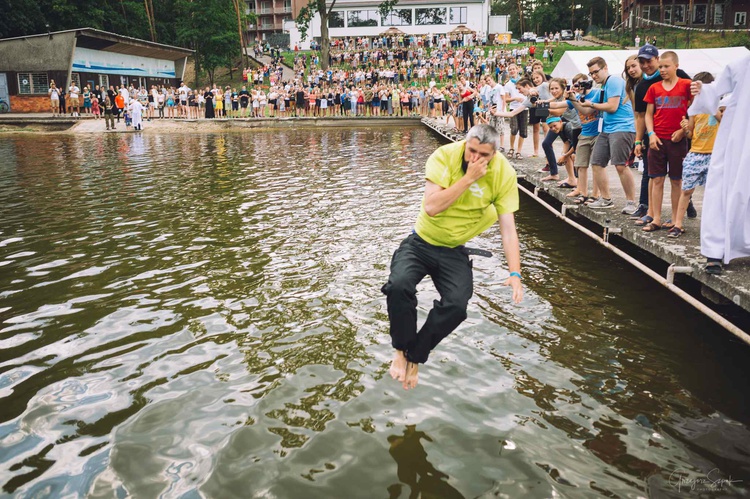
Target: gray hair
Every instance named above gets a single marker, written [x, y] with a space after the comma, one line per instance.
[485, 134]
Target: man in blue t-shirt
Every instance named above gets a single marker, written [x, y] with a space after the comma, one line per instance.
[618, 133]
[586, 139]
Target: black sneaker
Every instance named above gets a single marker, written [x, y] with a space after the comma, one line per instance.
[640, 212]
[691, 213]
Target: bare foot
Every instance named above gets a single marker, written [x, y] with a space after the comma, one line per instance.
[410, 380]
[398, 366]
[549, 178]
[574, 194]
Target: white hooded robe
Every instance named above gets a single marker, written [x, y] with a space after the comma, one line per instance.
[136, 113]
[725, 221]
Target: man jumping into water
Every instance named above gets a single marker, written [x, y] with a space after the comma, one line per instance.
[469, 185]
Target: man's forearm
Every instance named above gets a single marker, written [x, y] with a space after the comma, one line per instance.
[511, 248]
[640, 125]
[438, 202]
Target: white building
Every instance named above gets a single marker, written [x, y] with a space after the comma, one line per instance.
[414, 17]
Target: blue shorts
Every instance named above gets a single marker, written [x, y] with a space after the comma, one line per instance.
[694, 170]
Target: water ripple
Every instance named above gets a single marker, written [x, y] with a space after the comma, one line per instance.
[200, 315]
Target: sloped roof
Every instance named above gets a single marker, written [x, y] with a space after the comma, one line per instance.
[112, 42]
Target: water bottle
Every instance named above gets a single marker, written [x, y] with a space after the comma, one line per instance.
[638, 164]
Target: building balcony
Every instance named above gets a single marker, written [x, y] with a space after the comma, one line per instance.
[275, 10]
[270, 27]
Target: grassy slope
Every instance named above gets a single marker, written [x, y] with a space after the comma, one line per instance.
[669, 38]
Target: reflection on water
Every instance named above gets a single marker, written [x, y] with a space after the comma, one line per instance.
[199, 315]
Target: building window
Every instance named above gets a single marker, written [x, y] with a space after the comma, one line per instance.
[104, 81]
[397, 17]
[650, 12]
[740, 18]
[699, 14]
[718, 13]
[678, 16]
[668, 14]
[75, 79]
[336, 19]
[458, 15]
[427, 17]
[357, 18]
[33, 83]
[287, 5]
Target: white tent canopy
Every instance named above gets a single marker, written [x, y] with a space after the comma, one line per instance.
[692, 61]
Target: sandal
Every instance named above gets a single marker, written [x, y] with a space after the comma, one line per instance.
[586, 200]
[644, 220]
[518, 155]
[668, 224]
[502, 149]
[574, 194]
[511, 152]
[675, 232]
[651, 227]
[713, 266]
[566, 185]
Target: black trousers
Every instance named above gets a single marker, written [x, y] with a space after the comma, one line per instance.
[450, 269]
[468, 112]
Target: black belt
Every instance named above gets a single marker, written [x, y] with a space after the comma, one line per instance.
[476, 252]
[464, 249]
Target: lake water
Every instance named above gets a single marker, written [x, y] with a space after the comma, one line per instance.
[200, 316]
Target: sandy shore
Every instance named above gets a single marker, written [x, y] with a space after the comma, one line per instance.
[30, 123]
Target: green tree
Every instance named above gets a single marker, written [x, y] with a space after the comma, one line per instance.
[210, 28]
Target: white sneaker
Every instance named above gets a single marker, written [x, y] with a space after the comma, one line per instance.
[630, 208]
[602, 203]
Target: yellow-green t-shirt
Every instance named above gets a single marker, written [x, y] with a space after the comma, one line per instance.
[477, 208]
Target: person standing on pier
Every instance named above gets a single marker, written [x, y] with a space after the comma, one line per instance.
[725, 230]
[469, 185]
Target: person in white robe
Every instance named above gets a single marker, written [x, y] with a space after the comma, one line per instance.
[136, 114]
[725, 223]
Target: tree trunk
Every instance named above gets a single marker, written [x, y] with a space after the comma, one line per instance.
[243, 48]
[325, 42]
[661, 17]
[197, 66]
[690, 22]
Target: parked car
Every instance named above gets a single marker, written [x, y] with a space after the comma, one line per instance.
[540, 39]
[528, 37]
[566, 34]
[514, 41]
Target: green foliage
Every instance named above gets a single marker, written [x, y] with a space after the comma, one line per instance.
[555, 15]
[210, 28]
[207, 26]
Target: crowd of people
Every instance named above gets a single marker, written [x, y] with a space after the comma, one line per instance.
[608, 116]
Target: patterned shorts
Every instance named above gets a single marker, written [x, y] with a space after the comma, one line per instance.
[694, 170]
[498, 123]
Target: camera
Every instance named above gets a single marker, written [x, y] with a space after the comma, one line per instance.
[543, 105]
[533, 99]
[585, 84]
